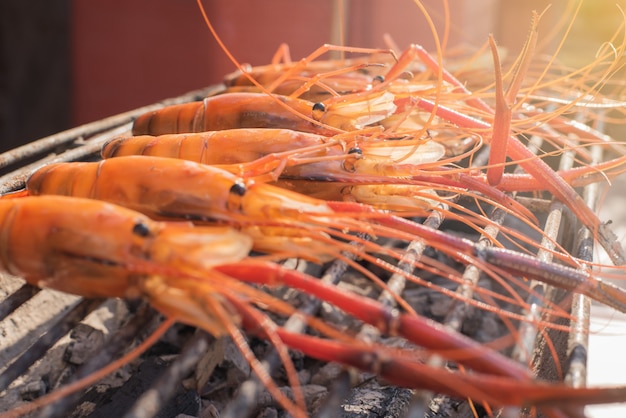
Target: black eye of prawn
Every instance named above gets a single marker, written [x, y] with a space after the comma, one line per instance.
[319, 107]
[141, 229]
[379, 78]
[355, 151]
[238, 188]
[349, 164]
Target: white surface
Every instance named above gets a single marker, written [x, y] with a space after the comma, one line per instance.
[607, 357]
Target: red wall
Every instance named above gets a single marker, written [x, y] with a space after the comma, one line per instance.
[129, 53]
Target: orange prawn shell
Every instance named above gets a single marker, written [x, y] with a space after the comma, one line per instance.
[229, 146]
[53, 241]
[229, 111]
[154, 189]
[97, 249]
[174, 188]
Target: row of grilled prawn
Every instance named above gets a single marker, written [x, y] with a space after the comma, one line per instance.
[182, 269]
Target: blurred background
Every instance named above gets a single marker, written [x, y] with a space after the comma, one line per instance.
[68, 62]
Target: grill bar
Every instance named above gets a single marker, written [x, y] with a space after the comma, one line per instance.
[44, 343]
[118, 343]
[578, 342]
[83, 143]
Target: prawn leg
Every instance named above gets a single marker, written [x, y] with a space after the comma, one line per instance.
[433, 336]
[513, 262]
[421, 331]
[501, 125]
[497, 390]
[503, 111]
[538, 169]
[504, 103]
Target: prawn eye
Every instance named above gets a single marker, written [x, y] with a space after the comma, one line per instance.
[379, 78]
[141, 229]
[350, 164]
[319, 107]
[238, 188]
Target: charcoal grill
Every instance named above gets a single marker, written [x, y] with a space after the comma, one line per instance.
[36, 325]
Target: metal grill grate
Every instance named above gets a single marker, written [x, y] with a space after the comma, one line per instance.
[34, 325]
